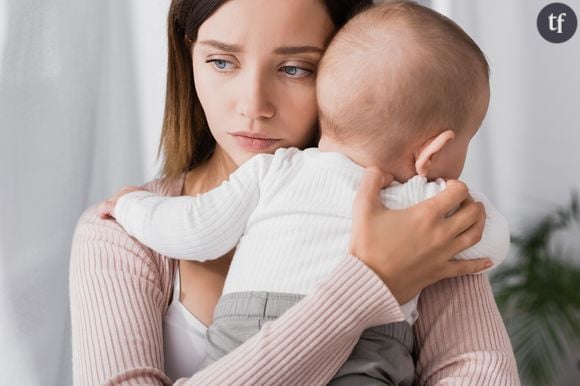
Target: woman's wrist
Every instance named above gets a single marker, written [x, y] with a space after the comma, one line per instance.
[356, 289]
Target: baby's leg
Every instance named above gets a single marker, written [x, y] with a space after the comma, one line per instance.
[239, 316]
[225, 335]
[382, 356]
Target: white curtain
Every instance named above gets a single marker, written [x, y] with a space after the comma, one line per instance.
[81, 100]
[70, 135]
[526, 156]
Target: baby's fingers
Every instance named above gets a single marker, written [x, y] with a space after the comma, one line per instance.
[105, 209]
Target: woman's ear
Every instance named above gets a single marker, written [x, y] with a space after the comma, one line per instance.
[427, 153]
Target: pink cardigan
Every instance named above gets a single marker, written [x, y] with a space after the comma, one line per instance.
[120, 290]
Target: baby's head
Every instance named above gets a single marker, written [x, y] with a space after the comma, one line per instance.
[403, 88]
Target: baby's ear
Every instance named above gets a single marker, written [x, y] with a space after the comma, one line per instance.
[427, 153]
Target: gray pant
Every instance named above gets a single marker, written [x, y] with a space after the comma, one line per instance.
[382, 356]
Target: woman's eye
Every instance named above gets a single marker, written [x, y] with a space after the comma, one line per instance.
[296, 72]
[220, 64]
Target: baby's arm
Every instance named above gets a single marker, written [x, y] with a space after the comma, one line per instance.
[198, 228]
[495, 240]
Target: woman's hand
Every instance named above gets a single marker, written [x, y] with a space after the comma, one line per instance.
[412, 248]
[106, 209]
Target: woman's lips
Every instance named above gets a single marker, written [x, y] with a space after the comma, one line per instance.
[255, 143]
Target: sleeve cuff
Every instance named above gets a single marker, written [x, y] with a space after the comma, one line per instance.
[130, 214]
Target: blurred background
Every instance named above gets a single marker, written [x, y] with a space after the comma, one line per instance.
[82, 87]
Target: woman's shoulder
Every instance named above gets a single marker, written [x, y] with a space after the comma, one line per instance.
[103, 228]
[104, 246]
[166, 186]
[99, 228]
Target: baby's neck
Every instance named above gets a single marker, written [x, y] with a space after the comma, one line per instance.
[364, 158]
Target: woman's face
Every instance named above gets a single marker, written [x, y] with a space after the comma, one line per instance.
[254, 64]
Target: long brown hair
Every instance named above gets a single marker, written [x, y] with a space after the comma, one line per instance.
[185, 138]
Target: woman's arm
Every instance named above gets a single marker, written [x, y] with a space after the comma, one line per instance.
[117, 298]
[119, 292]
[461, 337]
[308, 343]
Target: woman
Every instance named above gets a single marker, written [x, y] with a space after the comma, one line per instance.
[240, 82]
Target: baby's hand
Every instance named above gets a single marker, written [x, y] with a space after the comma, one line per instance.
[106, 209]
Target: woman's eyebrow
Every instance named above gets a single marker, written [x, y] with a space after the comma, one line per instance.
[287, 50]
[234, 48]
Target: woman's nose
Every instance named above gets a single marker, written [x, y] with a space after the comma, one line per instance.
[254, 102]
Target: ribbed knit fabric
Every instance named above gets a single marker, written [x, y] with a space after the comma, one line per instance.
[288, 214]
[120, 290]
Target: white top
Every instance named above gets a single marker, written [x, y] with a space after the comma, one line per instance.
[289, 216]
[184, 343]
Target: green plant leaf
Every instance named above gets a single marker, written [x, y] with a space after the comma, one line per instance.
[539, 297]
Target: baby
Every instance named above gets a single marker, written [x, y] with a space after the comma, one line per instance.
[401, 88]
